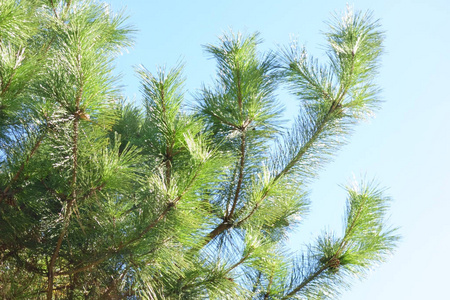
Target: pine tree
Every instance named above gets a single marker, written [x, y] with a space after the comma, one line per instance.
[103, 199]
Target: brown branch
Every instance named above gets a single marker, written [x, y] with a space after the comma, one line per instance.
[73, 195]
[239, 91]
[69, 2]
[347, 232]
[54, 9]
[223, 120]
[269, 285]
[8, 84]
[113, 284]
[243, 259]
[22, 167]
[344, 88]
[59, 196]
[226, 225]
[85, 267]
[230, 192]
[169, 148]
[216, 231]
[229, 215]
[92, 191]
[255, 207]
[168, 166]
[27, 265]
[55, 255]
[17, 64]
[58, 288]
[258, 281]
[68, 211]
[305, 282]
[286, 169]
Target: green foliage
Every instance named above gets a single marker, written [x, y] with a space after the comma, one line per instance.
[103, 199]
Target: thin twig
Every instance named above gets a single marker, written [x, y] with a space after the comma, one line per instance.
[73, 196]
[22, 167]
[229, 215]
[54, 9]
[305, 282]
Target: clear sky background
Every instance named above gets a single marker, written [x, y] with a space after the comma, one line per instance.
[405, 147]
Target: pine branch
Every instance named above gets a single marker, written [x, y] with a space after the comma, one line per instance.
[334, 110]
[106, 293]
[55, 254]
[309, 144]
[229, 195]
[269, 285]
[240, 262]
[222, 120]
[22, 167]
[305, 282]
[169, 148]
[73, 196]
[68, 210]
[26, 264]
[54, 9]
[92, 191]
[85, 267]
[216, 231]
[8, 84]
[226, 225]
[229, 215]
[349, 230]
[69, 2]
[355, 252]
[239, 90]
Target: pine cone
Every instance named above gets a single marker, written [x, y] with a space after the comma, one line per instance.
[334, 263]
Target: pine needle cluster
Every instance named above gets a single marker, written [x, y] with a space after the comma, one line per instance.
[103, 199]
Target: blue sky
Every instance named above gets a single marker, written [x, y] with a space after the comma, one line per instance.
[405, 147]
